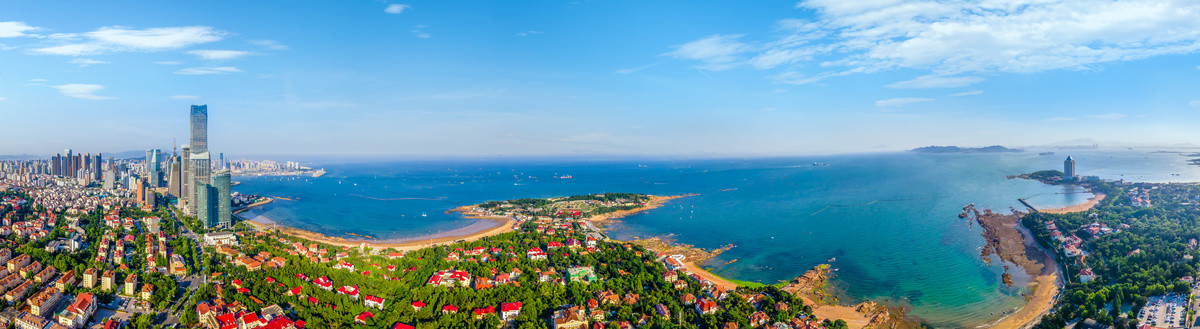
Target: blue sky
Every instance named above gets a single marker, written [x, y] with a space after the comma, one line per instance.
[596, 77]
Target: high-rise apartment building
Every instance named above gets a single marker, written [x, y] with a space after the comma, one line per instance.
[221, 201]
[173, 178]
[201, 171]
[1069, 168]
[185, 181]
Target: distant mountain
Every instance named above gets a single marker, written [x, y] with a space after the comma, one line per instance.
[956, 149]
[19, 157]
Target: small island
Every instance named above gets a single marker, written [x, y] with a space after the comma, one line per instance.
[956, 149]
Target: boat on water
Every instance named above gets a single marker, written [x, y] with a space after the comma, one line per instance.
[818, 164]
[566, 177]
[423, 214]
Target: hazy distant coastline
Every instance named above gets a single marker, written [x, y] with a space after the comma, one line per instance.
[956, 149]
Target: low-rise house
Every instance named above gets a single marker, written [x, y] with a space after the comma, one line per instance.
[43, 302]
[570, 318]
[66, 280]
[372, 301]
[80, 311]
[510, 311]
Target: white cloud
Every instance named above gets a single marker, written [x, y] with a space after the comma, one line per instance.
[82, 91]
[1194, 103]
[1058, 119]
[633, 70]
[931, 81]
[951, 37]
[84, 62]
[270, 44]
[15, 29]
[528, 33]
[218, 55]
[208, 70]
[967, 93]
[715, 52]
[419, 32]
[169, 63]
[122, 39]
[184, 97]
[1, 98]
[1109, 116]
[396, 8]
[893, 102]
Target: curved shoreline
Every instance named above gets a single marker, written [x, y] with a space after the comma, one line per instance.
[1042, 300]
[495, 225]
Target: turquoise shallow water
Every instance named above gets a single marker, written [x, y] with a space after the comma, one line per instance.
[889, 219]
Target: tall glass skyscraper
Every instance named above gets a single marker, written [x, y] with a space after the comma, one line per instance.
[154, 167]
[201, 164]
[199, 128]
[221, 200]
[185, 181]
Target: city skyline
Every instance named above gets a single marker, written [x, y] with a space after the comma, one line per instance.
[439, 79]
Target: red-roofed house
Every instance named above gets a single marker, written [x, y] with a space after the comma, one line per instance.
[362, 318]
[510, 311]
[480, 313]
[372, 301]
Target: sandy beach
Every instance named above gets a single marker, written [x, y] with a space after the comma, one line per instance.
[1047, 284]
[654, 202]
[1091, 202]
[478, 230]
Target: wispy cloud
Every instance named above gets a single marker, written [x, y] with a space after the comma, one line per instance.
[633, 70]
[84, 62]
[954, 37]
[967, 93]
[218, 55]
[185, 97]
[123, 39]
[36, 82]
[1109, 116]
[169, 63]
[208, 70]
[1058, 119]
[1194, 103]
[15, 29]
[82, 91]
[396, 8]
[528, 33]
[270, 44]
[894, 102]
[1, 98]
[419, 32]
[715, 52]
[932, 81]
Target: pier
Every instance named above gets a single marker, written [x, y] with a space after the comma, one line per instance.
[1027, 205]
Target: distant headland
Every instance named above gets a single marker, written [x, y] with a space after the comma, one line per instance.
[956, 149]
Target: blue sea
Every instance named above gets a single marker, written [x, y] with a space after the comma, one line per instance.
[889, 219]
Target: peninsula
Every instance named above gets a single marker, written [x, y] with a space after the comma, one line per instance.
[550, 264]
